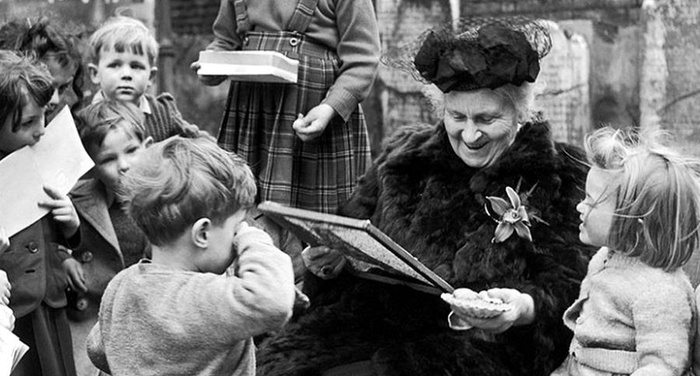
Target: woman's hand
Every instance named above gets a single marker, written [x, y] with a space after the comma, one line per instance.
[62, 210]
[5, 288]
[521, 313]
[323, 262]
[207, 80]
[76, 277]
[314, 123]
[4, 240]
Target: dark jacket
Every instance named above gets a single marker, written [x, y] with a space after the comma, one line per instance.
[424, 197]
[33, 266]
[99, 252]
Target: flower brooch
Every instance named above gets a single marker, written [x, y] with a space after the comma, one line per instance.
[510, 216]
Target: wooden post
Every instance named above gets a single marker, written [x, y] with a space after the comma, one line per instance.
[98, 15]
[166, 60]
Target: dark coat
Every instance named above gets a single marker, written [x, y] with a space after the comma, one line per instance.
[424, 197]
[33, 264]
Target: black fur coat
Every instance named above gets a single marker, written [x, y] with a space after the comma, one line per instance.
[423, 196]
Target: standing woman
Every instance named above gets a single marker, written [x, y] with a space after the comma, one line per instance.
[485, 199]
[307, 143]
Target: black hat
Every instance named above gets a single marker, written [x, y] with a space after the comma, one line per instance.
[479, 53]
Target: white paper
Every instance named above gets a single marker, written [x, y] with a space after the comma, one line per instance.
[258, 66]
[11, 351]
[57, 160]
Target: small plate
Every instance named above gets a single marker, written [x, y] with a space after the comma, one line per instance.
[478, 307]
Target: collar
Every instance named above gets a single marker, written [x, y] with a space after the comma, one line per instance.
[143, 103]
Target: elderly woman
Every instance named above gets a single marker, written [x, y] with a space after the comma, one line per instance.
[444, 193]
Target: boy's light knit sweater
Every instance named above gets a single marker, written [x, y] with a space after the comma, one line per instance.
[156, 320]
[627, 305]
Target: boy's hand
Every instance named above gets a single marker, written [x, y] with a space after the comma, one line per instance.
[76, 277]
[5, 288]
[62, 210]
[314, 123]
[207, 80]
[4, 240]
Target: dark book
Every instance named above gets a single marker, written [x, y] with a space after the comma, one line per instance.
[372, 254]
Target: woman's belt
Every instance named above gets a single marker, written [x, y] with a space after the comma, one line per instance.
[289, 43]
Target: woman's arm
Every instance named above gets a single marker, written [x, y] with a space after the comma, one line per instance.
[359, 50]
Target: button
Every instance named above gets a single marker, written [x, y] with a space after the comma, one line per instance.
[32, 247]
[294, 41]
[86, 257]
[82, 304]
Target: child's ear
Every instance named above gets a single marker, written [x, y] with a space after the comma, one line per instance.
[147, 142]
[200, 232]
[152, 76]
[92, 71]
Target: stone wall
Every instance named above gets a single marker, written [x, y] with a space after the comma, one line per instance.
[670, 82]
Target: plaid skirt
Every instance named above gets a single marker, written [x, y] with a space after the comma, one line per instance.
[316, 175]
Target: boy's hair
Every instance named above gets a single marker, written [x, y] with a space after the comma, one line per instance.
[658, 196]
[41, 39]
[180, 180]
[95, 121]
[124, 34]
[21, 78]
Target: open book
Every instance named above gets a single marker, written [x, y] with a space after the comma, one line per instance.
[258, 66]
[373, 254]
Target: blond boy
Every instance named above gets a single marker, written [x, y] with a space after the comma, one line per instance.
[124, 57]
[178, 314]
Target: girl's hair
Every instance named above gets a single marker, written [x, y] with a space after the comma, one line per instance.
[657, 213]
[123, 34]
[42, 39]
[180, 180]
[21, 79]
[96, 120]
[521, 97]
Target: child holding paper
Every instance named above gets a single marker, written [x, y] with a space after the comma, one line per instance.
[36, 267]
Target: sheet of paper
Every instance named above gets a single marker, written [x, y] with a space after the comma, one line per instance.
[57, 160]
[61, 158]
[11, 351]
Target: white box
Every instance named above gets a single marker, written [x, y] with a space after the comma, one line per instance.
[257, 66]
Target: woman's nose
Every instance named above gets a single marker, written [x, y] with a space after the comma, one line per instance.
[470, 133]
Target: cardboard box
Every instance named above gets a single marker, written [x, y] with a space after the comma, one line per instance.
[256, 66]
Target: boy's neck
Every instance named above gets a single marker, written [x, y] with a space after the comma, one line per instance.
[175, 256]
[141, 103]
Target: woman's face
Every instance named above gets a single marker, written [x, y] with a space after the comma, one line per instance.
[480, 125]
